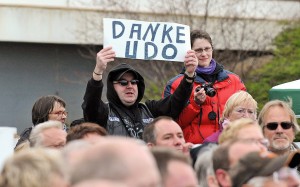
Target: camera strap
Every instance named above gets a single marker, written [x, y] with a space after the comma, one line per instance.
[200, 119]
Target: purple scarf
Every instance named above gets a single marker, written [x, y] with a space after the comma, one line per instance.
[209, 70]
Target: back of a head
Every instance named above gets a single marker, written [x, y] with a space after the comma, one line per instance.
[100, 183]
[232, 130]
[255, 164]
[73, 151]
[102, 161]
[33, 168]
[81, 130]
[220, 157]
[164, 155]
[204, 164]
[22, 146]
[36, 138]
[43, 106]
[175, 168]
[114, 158]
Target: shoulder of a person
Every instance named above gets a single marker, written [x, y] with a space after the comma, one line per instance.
[229, 72]
[176, 79]
[296, 145]
[232, 75]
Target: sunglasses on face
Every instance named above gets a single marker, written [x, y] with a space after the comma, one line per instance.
[125, 82]
[274, 125]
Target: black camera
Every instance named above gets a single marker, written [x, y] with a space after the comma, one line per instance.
[208, 88]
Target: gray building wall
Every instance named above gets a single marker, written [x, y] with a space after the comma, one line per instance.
[29, 71]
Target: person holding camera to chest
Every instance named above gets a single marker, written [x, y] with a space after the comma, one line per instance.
[213, 85]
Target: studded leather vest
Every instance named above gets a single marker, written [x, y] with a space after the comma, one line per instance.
[124, 126]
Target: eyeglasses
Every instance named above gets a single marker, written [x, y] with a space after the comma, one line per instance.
[273, 125]
[262, 141]
[200, 50]
[242, 111]
[60, 113]
[125, 82]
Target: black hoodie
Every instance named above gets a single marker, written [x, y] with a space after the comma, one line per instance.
[114, 75]
[119, 119]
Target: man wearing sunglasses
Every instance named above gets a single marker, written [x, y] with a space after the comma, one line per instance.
[279, 125]
[124, 114]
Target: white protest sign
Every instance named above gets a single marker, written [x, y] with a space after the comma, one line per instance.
[7, 143]
[147, 40]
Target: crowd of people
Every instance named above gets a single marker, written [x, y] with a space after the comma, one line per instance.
[206, 131]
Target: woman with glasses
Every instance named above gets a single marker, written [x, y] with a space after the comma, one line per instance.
[213, 85]
[239, 105]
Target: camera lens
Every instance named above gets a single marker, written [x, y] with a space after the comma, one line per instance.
[210, 92]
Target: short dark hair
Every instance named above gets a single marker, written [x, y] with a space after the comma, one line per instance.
[79, 131]
[43, 106]
[164, 155]
[220, 157]
[149, 135]
[195, 34]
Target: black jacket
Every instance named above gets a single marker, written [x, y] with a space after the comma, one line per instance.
[129, 121]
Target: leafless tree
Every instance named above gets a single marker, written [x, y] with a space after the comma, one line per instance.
[241, 34]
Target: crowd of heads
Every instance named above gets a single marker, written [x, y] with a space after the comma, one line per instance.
[253, 149]
[249, 153]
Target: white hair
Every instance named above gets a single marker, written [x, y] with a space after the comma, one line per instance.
[36, 136]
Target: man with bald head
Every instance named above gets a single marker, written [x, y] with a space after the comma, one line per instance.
[117, 159]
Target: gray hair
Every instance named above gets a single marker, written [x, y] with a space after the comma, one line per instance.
[33, 168]
[36, 136]
[204, 164]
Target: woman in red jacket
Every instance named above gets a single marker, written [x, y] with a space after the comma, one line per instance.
[212, 87]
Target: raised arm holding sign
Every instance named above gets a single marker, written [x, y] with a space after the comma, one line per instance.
[124, 114]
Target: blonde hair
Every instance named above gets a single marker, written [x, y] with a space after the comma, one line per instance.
[233, 129]
[33, 167]
[237, 99]
[22, 146]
